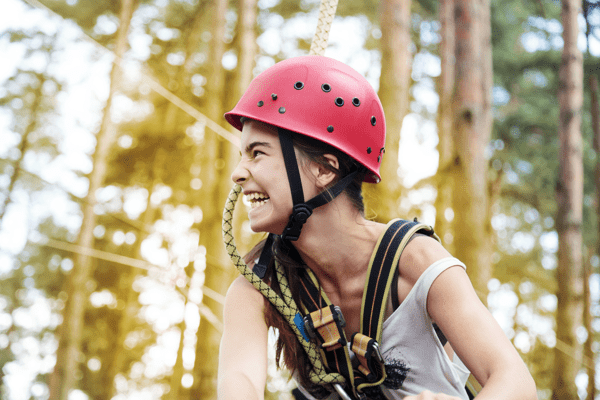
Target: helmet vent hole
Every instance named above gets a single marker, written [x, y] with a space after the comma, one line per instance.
[298, 85]
[369, 150]
[281, 110]
[373, 120]
[330, 128]
[261, 103]
[339, 101]
[356, 102]
[326, 87]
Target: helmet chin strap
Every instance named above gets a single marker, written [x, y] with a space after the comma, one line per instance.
[302, 210]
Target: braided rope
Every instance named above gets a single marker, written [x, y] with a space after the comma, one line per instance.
[326, 15]
[286, 305]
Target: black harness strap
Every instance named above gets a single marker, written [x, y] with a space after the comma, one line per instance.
[266, 255]
[314, 302]
[384, 262]
[383, 265]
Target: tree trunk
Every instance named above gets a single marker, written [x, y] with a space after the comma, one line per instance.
[127, 279]
[65, 374]
[470, 177]
[394, 84]
[31, 126]
[443, 201]
[175, 119]
[589, 353]
[486, 268]
[569, 195]
[247, 51]
[246, 45]
[215, 164]
[178, 370]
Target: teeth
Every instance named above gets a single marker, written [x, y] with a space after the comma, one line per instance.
[257, 199]
[255, 204]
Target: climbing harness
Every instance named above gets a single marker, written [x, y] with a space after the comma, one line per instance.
[326, 323]
[323, 321]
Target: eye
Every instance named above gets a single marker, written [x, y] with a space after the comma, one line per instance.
[256, 153]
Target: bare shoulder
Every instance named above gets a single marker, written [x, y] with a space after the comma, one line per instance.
[242, 296]
[419, 254]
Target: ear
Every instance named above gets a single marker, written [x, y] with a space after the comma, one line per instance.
[324, 176]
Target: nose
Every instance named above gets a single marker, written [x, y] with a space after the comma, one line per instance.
[240, 174]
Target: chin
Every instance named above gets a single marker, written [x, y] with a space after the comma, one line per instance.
[263, 226]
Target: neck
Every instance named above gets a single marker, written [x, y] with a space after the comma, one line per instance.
[336, 243]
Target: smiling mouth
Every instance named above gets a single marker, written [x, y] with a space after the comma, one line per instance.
[257, 199]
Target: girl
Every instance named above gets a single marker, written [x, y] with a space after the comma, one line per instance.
[313, 130]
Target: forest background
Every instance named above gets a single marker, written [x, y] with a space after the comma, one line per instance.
[115, 164]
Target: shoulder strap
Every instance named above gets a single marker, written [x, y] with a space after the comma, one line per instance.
[383, 265]
[408, 232]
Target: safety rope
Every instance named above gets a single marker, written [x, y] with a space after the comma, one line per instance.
[326, 15]
[284, 304]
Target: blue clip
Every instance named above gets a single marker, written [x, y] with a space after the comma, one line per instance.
[300, 324]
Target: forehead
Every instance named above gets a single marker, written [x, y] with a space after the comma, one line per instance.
[258, 131]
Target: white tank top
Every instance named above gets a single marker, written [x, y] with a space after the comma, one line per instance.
[415, 359]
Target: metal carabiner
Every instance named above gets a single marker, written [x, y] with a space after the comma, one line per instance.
[338, 388]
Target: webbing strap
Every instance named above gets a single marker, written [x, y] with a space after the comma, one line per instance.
[260, 268]
[291, 166]
[337, 358]
[382, 266]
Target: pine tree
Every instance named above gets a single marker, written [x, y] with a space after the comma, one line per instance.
[64, 378]
[569, 196]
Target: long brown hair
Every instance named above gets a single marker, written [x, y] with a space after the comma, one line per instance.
[294, 357]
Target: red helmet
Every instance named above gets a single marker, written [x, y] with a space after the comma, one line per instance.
[321, 98]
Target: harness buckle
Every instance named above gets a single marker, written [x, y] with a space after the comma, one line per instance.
[378, 352]
[327, 325]
[368, 353]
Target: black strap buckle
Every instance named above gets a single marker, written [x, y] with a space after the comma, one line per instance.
[260, 267]
[300, 214]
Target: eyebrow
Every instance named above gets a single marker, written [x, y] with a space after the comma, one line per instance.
[252, 145]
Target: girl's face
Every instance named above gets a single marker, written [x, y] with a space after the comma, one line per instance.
[262, 175]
